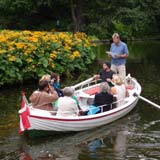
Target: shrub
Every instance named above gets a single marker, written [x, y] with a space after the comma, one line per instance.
[31, 54]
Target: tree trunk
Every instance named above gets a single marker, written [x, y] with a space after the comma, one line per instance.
[76, 11]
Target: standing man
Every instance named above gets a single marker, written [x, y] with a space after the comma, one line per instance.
[118, 53]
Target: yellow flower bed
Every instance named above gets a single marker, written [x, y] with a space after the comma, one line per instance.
[30, 54]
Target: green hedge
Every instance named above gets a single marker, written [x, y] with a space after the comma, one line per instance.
[31, 54]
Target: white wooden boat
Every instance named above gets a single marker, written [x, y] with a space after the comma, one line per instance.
[45, 120]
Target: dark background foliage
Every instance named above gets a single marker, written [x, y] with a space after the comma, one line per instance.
[130, 18]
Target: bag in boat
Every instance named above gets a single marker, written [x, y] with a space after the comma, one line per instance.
[93, 110]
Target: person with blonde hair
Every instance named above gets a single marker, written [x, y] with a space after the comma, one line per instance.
[118, 53]
[119, 90]
[45, 77]
[44, 97]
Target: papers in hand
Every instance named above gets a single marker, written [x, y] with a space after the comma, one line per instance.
[111, 54]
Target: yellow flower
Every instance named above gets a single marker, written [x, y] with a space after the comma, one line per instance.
[67, 48]
[80, 35]
[3, 39]
[27, 32]
[29, 60]
[62, 35]
[54, 38]
[53, 55]
[19, 45]
[2, 51]
[52, 64]
[33, 39]
[11, 58]
[75, 55]
[33, 66]
[11, 48]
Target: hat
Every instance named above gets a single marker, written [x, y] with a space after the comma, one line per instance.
[108, 64]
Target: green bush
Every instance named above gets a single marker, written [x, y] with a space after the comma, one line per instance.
[31, 54]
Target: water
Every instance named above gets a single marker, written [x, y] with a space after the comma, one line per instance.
[136, 136]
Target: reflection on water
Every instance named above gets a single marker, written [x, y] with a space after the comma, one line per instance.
[124, 139]
[136, 136]
[99, 142]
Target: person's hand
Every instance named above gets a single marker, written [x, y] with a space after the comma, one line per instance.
[96, 77]
[52, 81]
[117, 56]
[109, 54]
[108, 80]
[80, 113]
[50, 86]
[58, 79]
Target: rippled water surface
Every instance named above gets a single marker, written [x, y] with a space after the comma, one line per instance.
[133, 137]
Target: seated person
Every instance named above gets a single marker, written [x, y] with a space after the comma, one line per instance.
[67, 106]
[55, 81]
[105, 74]
[119, 90]
[43, 98]
[104, 97]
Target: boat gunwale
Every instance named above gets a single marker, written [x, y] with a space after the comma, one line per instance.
[84, 118]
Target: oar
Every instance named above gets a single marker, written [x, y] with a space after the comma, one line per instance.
[146, 100]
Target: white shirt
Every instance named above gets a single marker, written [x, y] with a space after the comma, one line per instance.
[120, 94]
[67, 106]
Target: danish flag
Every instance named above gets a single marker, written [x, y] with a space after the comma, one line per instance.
[24, 113]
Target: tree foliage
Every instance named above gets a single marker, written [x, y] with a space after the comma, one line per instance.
[131, 18]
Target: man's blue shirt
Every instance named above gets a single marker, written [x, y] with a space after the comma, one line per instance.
[121, 48]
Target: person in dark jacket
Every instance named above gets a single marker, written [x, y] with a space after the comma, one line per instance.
[105, 74]
[104, 97]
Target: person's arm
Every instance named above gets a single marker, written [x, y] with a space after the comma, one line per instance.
[109, 54]
[58, 79]
[96, 77]
[113, 90]
[75, 108]
[121, 55]
[53, 92]
[127, 93]
[125, 52]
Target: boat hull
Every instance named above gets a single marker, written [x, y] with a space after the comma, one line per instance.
[58, 124]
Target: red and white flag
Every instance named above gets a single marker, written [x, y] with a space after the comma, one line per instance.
[24, 113]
